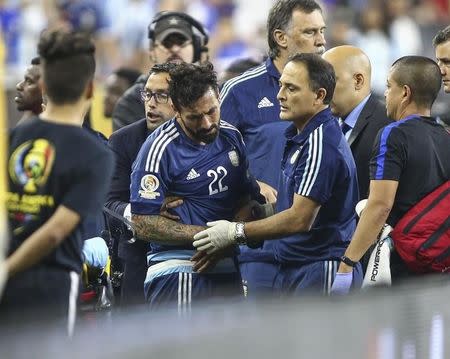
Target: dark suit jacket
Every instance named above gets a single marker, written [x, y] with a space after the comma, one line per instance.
[130, 108]
[125, 143]
[371, 119]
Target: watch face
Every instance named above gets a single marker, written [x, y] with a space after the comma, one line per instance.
[240, 234]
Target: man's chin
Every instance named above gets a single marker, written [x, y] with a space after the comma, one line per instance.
[209, 138]
[153, 125]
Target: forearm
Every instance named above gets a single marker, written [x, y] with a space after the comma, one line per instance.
[32, 251]
[160, 229]
[279, 225]
[116, 206]
[372, 220]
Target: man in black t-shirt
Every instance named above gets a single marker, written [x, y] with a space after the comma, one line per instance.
[410, 157]
[58, 176]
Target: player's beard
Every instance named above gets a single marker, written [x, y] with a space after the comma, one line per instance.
[206, 136]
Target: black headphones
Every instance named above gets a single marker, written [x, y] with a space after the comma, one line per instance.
[199, 33]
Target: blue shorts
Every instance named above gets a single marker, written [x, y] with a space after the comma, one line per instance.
[173, 284]
[258, 279]
[315, 277]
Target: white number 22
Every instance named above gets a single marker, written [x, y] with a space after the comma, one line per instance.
[218, 176]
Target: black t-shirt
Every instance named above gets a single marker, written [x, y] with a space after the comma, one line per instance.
[51, 165]
[415, 152]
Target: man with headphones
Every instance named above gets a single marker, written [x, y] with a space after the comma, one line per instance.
[174, 37]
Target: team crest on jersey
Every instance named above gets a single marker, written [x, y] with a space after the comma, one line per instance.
[234, 158]
[149, 184]
[294, 157]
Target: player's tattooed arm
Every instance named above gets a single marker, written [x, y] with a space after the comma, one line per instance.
[163, 230]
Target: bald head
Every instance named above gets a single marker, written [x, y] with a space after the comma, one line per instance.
[353, 75]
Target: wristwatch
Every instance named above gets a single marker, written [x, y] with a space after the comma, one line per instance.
[240, 236]
[348, 261]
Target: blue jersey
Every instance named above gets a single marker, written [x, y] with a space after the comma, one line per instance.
[318, 164]
[211, 179]
[249, 102]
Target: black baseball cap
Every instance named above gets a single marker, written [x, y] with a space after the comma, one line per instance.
[172, 25]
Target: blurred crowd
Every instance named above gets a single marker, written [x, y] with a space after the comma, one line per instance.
[384, 29]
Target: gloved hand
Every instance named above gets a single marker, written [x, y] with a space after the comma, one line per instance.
[95, 252]
[220, 235]
[342, 283]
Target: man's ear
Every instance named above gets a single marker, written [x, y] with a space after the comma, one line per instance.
[359, 81]
[407, 94]
[90, 90]
[280, 37]
[320, 96]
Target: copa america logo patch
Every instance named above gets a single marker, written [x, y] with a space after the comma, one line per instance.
[234, 158]
[149, 184]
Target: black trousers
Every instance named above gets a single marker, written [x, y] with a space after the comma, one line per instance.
[43, 295]
[132, 288]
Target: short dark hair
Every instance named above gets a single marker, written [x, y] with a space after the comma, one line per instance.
[36, 61]
[164, 67]
[320, 72]
[280, 16]
[189, 82]
[68, 64]
[442, 36]
[422, 75]
[130, 75]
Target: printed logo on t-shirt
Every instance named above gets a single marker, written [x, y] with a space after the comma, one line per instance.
[29, 167]
[31, 163]
[149, 184]
[265, 102]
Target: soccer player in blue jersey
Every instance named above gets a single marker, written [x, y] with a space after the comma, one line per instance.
[318, 189]
[202, 159]
[249, 102]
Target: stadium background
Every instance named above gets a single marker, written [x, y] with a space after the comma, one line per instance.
[410, 322]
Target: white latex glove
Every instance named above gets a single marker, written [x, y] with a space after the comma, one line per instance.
[342, 283]
[220, 235]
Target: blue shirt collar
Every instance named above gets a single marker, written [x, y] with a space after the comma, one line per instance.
[352, 117]
[271, 69]
[292, 133]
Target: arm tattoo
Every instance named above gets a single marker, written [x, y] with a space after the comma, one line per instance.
[160, 229]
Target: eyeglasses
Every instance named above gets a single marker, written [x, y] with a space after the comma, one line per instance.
[170, 42]
[160, 97]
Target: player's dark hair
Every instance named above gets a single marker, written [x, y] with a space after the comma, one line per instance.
[280, 17]
[36, 61]
[320, 72]
[130, 75]
[442, 36]
[164, 67]
[189, 82]
[421, 75]
[68, 64]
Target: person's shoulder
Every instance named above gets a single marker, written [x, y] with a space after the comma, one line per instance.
[162, 136]
[228, 130]
[245, 81]
[129, 130]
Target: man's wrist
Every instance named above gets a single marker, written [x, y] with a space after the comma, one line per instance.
[239, 234]
[349, 262]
